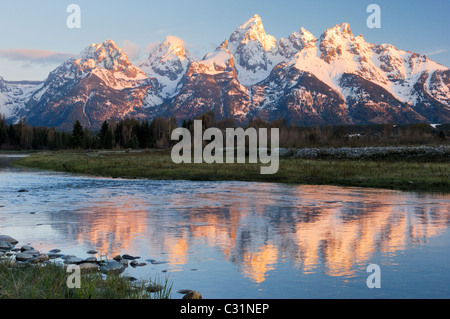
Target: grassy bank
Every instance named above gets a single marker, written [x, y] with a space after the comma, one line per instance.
[391, 174]
[49, 281]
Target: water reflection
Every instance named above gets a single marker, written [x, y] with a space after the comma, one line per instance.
[254, 227]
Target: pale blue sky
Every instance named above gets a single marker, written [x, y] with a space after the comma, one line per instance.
[39, 26]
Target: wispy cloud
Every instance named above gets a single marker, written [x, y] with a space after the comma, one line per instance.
[35, 56]
[436, 52]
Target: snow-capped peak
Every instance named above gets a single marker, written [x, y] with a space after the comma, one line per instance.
[295, 43]
[252, 30]
[170, 51]
[338, 31]
[106, 55]
[254, 52]
[168, 62]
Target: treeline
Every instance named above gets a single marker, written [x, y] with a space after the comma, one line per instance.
[123, 134]
[142, 134]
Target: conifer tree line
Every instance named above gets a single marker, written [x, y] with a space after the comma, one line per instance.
[123, 134]
[142, 134]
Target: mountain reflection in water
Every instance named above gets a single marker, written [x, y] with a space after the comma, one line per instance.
[255, 227]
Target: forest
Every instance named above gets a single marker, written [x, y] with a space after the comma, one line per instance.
[144, 134]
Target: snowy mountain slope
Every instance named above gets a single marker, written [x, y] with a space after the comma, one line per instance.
[167, 63]
[255, 52]
[14, 95]
[100, 83]
[211, 84]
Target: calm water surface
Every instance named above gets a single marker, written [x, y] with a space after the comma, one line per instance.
[236, 239]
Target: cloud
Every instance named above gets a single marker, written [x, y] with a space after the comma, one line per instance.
[436, 52]
[131, 49]
[35, 56]
[151, 46]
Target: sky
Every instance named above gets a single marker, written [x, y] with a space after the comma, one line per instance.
[35, 39]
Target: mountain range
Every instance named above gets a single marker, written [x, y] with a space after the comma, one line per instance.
[337, 78]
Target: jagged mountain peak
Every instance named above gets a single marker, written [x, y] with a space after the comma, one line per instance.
[343, 30]
[171, 48]
[167, 63]
[252, 30]
[295, 43]
[106, 55]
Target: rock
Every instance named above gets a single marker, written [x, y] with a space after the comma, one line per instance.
[67, 256]
[128, 257]
[26, 247]
[73, 260]
[39, 259]
[193, 295]
[8, 239]
[42, 257]
[90, 259]
[24, 257]
[133, 263]
[55, 251]
[92, 252]
[88, 267]
[112, 266]
[117, 258]
[142, 264]
[22, 191]
[4, 245]
[31, 252]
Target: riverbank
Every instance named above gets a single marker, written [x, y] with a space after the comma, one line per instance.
[412, 169]
[26, 273]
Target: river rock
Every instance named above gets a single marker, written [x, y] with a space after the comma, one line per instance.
[112, 266]
[39, 259]
[128, 257]
[91, 259]
[4, 245]
[117, 258]
[24, 257]
[26, 247]
[133, 263]
[54, 251]
[31, 252]
[193, 295]
[8, 239]
[92, 252]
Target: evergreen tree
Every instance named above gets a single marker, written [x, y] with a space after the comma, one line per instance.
[77, 135]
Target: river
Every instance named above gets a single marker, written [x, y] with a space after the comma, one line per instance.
[238, 239]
